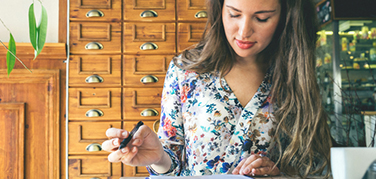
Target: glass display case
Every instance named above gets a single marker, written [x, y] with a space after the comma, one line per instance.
[346, 71]
[346, 65]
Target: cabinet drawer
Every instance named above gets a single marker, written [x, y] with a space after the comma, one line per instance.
[149, 10]
[99, 37]
[142, 103]
[192, 10]
[89, 167]
[138, 171]
[87, 137]
[189, 34]
[95, 10]
[95, 70]
[149, 38]
[145, 70]
[95, 103]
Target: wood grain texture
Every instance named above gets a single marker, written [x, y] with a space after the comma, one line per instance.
[62, 21]
[93, 167]
[165, 10]
[40, 91]
[12, 128]
[50, 51]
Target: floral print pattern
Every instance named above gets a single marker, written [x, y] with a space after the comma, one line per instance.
[205, 129]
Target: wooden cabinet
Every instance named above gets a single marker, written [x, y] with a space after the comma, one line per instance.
[94, 70]
[191, 10]
[149, 10]
[32, 109]
[120, 52]
[95, 10]
[149, 38]
[87, 137]
[93, 166]
[189, 34]
[98, 37]
[94, 103]
[145, 70]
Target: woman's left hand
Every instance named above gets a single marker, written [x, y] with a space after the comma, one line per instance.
[256, 165]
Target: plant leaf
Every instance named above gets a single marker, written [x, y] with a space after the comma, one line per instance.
[42, 31]
[11, 59]
[32, 27]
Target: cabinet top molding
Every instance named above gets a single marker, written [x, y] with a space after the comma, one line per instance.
[25, 50]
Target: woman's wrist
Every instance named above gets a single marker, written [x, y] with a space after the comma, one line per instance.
[163, 165]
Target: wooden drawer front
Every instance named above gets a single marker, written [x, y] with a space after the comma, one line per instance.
[87, 137]
[149, 38]
[192, 10]
[95, 103]
[149, 10]
[95, 70]
[146, 70]
[95, 10]
[189, 34]
[140, 171]
[129, 124]
[99, 37]
[142, 103]
[88, 167]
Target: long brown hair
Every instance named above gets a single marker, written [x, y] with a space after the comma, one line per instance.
[302, 133]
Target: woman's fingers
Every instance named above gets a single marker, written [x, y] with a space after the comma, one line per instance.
[248, 165]
[116, 133]
[140, 135]
[266, 170]
[111, 145]
[118, 155]
[256, 165]
[124, 155]
[237, 168]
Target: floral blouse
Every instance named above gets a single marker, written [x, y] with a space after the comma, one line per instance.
[205, 129]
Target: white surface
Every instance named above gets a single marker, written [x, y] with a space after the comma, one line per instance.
[14, 13]
[351, 162]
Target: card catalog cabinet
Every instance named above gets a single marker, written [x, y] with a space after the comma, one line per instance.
[119, 53]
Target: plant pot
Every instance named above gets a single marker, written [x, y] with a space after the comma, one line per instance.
[351, 162]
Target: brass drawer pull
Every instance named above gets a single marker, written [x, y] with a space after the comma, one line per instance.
[149, 13]
[149, 79]
[94, 46]
[94, 13]
[94, 79]
[94, 113]
[201, 14]
[149, 112]
[156, 125]
[94, 147]
[149, 46]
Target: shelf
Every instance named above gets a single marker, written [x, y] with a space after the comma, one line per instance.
[361, 69]
[371, 113]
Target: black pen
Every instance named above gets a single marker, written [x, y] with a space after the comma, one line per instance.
[130, 136]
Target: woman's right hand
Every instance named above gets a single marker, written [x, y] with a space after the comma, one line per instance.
[143, 149]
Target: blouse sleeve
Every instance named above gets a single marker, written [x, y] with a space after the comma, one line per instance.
[171, 129]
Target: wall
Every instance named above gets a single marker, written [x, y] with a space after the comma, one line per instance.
[14, 13]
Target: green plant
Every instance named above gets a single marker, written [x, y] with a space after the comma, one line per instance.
[37, 34]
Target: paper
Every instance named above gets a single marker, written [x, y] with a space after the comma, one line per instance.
[226, 176]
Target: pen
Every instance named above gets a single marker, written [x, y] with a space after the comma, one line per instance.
[130, 136]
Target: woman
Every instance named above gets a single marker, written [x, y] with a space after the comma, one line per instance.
[243, 101]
